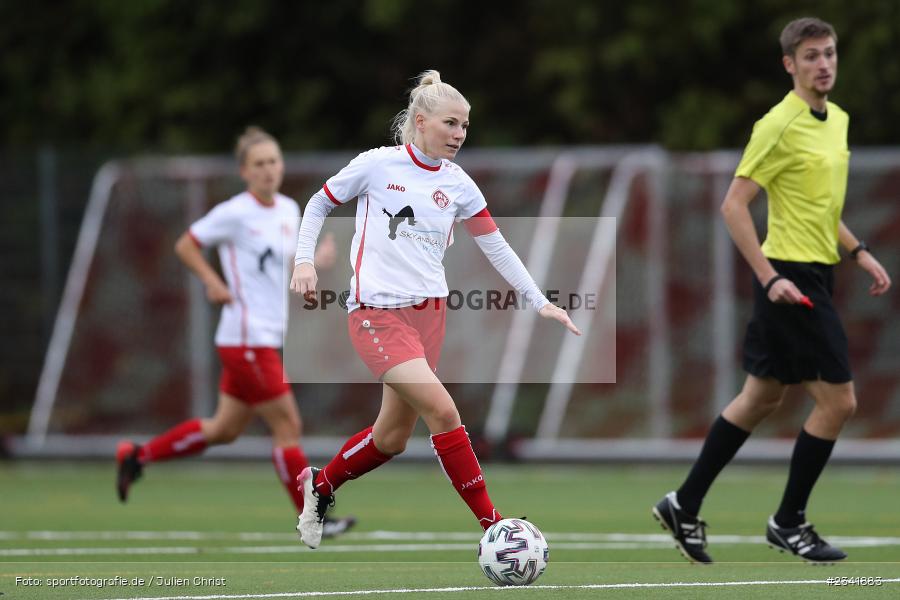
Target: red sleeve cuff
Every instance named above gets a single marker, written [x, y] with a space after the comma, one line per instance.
[330, 195]
[194, 237]
[481, 223]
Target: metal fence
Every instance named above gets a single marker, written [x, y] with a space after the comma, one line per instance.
[131, 354]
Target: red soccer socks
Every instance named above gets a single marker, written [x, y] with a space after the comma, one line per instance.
[184, 439]
[454, 452]
[358, 456]
[289, 463]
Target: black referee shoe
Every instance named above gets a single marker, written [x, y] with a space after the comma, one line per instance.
[802, 541]
[689, 531]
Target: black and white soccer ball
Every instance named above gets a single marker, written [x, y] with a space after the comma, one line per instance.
[513, 552]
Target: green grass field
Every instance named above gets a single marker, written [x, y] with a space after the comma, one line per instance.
[203, 529]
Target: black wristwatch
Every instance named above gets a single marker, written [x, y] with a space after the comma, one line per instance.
[862, 246]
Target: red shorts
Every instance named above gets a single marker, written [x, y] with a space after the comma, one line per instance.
[252, 374]
[387, 337]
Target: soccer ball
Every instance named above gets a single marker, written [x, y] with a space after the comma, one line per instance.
[513, 552]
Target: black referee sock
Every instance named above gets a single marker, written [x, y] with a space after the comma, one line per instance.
[722, 443]
[810, 456]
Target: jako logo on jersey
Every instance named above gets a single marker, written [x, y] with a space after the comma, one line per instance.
[469, 484]
[441, 199]
[396, 187]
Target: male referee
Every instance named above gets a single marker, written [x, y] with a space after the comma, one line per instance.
[798, 154]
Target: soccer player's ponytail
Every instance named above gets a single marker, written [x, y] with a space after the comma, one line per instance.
[429, 92]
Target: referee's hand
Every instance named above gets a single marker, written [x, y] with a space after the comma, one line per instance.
[881, 281]
[784, 291]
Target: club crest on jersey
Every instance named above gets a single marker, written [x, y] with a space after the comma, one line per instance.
[441, 199]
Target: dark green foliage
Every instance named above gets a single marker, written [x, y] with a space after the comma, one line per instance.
[180, 76]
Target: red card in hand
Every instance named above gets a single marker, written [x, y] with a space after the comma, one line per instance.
[805, 301]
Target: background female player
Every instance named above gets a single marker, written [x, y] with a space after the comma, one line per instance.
[408, 199]
[252, 231]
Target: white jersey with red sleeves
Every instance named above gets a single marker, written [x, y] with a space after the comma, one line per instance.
[407, 206]
[255, 243]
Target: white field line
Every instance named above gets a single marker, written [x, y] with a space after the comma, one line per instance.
[426, 536]
[300, 548]
[423, 541]
[599, 586]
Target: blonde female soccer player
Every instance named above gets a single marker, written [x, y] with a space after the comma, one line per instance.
[408, 197]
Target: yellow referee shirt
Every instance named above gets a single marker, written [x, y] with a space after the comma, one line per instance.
[801, 162]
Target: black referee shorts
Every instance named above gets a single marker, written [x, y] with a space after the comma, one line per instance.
[791, 342]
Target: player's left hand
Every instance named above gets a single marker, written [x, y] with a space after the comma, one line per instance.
[551, 311]
[881, 281]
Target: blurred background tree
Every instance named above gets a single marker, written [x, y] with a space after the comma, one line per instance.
[174, 76]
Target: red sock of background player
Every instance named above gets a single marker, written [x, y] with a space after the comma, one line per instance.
[358, 456]
[454, 452]
[289, 462]
[184, 439]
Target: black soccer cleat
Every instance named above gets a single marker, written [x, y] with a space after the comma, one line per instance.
[130, 468]
[802, 541]
[688, 531]
[335, 526]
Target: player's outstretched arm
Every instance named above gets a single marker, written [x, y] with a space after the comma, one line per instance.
[551, 311]
[505, 260]
[189, 252]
